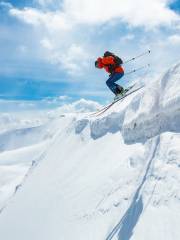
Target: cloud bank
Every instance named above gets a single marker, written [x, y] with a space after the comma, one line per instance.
[135, 13]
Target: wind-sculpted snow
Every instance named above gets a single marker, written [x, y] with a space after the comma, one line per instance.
[157, 110]
[109, 177]
[111, 123]
[81, 125]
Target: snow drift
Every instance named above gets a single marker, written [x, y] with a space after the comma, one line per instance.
[112, 176]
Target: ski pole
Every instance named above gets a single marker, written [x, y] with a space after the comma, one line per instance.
[138, 56]
[137, 69]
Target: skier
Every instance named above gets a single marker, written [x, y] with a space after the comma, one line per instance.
[112, 64]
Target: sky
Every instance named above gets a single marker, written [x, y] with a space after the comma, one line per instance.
[48, 47]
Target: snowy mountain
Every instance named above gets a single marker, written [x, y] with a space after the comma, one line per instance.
[96, 177]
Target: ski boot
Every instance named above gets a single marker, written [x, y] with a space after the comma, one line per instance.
[120, 92]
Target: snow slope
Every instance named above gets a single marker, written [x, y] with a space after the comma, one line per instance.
[24, 138]
[112, 176]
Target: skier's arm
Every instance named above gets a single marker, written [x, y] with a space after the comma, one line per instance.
[108, 60]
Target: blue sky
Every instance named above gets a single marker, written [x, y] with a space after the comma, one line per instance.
[48, 47]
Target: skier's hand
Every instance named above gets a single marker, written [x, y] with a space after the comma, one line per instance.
[98, 63]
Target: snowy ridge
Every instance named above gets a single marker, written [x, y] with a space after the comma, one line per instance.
[115, 176]
[157, 110]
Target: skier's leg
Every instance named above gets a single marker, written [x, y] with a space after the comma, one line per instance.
[119, 89]
[115, 88]
[111, 83]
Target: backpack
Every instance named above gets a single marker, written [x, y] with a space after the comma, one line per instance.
[118, 60]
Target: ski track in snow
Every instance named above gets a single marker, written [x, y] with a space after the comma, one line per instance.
[95, 177]
[130, 218]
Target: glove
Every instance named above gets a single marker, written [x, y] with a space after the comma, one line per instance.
[98, 63]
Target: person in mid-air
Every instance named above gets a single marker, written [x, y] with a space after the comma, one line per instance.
[112, 64]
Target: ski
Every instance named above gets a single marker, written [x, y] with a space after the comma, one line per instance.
[103, 108]
[119, 99]
[109, 105]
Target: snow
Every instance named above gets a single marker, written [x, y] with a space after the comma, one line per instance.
[74, 175]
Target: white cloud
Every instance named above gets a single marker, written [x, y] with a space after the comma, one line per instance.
[136, 13]
[69, 57]
[52, 21]
[64, 97]
[60, 31]
[127, 37]
[44, 2]
[74, 60]
[81, 105]
[46, 43]
[49, 3]
[56, 100]
[174, 39]
[6, 5]
[149, 13]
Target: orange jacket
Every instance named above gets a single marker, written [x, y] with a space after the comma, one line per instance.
[107, 62]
